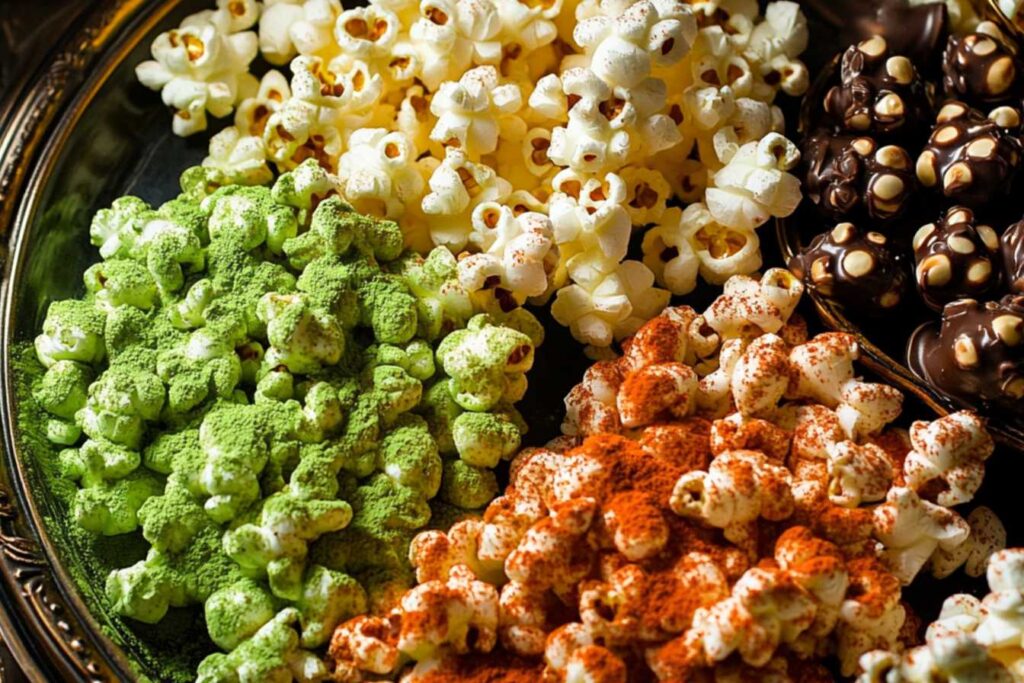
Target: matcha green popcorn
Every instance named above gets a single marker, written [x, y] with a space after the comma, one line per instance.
[147, 589]
[389, 309]
[234, 442]
[249, 216]
[484, 439]
[408, 454]
[333, 228]
[399, 391]
[119, 405]
[111, 508]
[172, 519]
[199, 182]
[170, 252]
[277, 543]
[62, 393]
[188, 214]
[332, 285]
[443, 304]
[304, 187]
[302, 337]
[322, 413]
[440, 410]
[416, 358]
[73, 330]
[273, 655]
[236, 612]
[466, 486]
[328, 598]
[205, 366]
[121, 282]
[115, 230]
[190, 312]
[486, 364]
[276, 398]
[98, 461]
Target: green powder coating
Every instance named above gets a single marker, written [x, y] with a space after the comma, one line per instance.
[173, 647]
[62, 390]
[260, 418]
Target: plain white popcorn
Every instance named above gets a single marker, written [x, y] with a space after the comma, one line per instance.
[203, 65]
[625, 122]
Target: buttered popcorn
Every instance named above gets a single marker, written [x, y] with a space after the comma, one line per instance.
[599, 115]
[728, 502]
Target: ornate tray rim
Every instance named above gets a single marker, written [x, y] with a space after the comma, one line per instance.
[45, 622]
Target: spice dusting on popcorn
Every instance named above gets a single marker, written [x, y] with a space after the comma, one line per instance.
[535, 141]
[728, 498]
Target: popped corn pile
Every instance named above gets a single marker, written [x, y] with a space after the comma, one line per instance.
[534, 140]
[972, 640]
[728, 502]
[278, 395]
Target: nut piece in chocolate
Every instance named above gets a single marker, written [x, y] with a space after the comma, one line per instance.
[970, 158]
[854, 178]
[981, 69]
[979, 351]
[857, 269]
[1012, 246]
[956, 258]
[880, 92]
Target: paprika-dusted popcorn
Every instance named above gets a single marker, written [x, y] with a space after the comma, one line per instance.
[600, 115]
[728, 497]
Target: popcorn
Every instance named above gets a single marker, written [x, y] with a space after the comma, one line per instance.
[469, 111]
[766, 609]
[748, 307]
[457, 187]
[987, 537]
[825, 373]
[774, 45]
[291, 27]
[669, 255]
[593, 310]
[516, 253]
[623, 49]
[202, 66]
[911, 529]
[858, 473]
[754, 185]
[460, 613]
[872, 617]
[254, 112]
[591, 228]
[235, 159]
[721, 251]
[368, 33]
[739, 487]
[949, 455]
[378, 174]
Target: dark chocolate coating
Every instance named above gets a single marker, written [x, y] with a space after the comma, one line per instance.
[956, 258]
[1012, 246]
[917, 31]
[971, 159]
[982, 70]
[859, 270]
[880, 93]
[855, 178]
[979, 351]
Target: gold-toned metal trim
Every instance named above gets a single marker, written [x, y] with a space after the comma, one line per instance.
[43, 596]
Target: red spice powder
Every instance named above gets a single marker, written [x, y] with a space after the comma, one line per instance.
[493, 667]
[681, 444]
